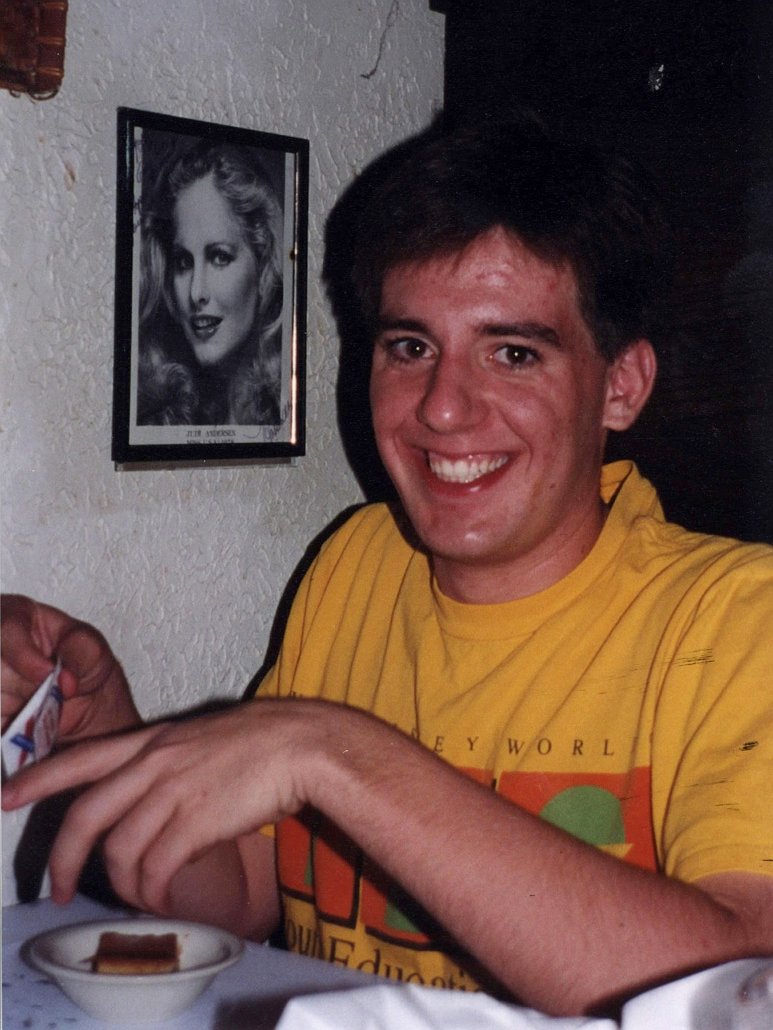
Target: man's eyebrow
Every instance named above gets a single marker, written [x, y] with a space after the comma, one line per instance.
[403, 325]
[525, 330]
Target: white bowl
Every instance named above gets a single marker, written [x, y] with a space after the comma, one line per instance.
[65, 956]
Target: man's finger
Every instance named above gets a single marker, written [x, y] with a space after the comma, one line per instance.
[180, 840]
[78, 765]
[130, 847]
[86, 654]
[88, 819]
[22, 659]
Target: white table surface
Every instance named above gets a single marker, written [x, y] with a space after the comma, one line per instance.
[252, 994]
[248, 996]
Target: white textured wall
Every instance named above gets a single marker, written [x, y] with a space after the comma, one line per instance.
[181, 569]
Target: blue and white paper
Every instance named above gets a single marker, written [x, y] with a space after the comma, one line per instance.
[32, 734]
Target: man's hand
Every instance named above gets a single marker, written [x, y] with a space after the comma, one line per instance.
[97, 699]
[167, 793]
[169, 797]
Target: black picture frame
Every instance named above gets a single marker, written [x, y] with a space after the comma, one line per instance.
[186, 387]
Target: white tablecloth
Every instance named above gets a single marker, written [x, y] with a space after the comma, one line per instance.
[250, 995]
[254, 994]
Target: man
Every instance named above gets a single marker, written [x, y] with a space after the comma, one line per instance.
[525, 621]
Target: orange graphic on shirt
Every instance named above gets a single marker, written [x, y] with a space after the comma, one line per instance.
[610, 810]
[321, 865]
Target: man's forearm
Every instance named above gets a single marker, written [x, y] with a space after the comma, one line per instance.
[561, 924]
[558, 922]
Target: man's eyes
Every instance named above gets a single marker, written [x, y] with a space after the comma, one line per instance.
[407, 348]
[516, 355]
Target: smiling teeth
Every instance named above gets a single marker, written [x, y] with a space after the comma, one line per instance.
[464, 470]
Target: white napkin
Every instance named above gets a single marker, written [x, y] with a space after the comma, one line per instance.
[703, 1001]
[410, 1007]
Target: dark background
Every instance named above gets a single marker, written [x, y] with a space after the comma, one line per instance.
[685, 86]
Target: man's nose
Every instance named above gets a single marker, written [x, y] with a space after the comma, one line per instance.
[452, 399]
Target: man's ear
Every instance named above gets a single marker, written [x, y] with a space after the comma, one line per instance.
[630, 379]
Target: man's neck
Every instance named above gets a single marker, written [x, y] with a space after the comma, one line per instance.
[520, 576]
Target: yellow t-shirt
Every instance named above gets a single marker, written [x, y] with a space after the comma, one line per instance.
[630, 704]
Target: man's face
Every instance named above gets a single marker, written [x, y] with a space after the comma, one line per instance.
[489, 404]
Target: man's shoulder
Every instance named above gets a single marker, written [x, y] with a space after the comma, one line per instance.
[702, 571]
[376, 530]
[719, 557]
[646, 527]
[366, 557]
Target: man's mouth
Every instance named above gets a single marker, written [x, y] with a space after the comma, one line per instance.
[464, 470]
[204, 326]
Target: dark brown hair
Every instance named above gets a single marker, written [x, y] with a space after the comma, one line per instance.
[567, 200]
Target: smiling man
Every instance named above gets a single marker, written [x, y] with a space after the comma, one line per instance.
[519, 732]
[491, 404]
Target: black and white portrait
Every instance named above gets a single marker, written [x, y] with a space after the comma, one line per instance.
[215, 305]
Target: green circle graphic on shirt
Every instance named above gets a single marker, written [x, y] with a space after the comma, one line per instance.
[590, 813]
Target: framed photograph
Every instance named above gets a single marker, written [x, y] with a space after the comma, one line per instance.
[210, 295]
